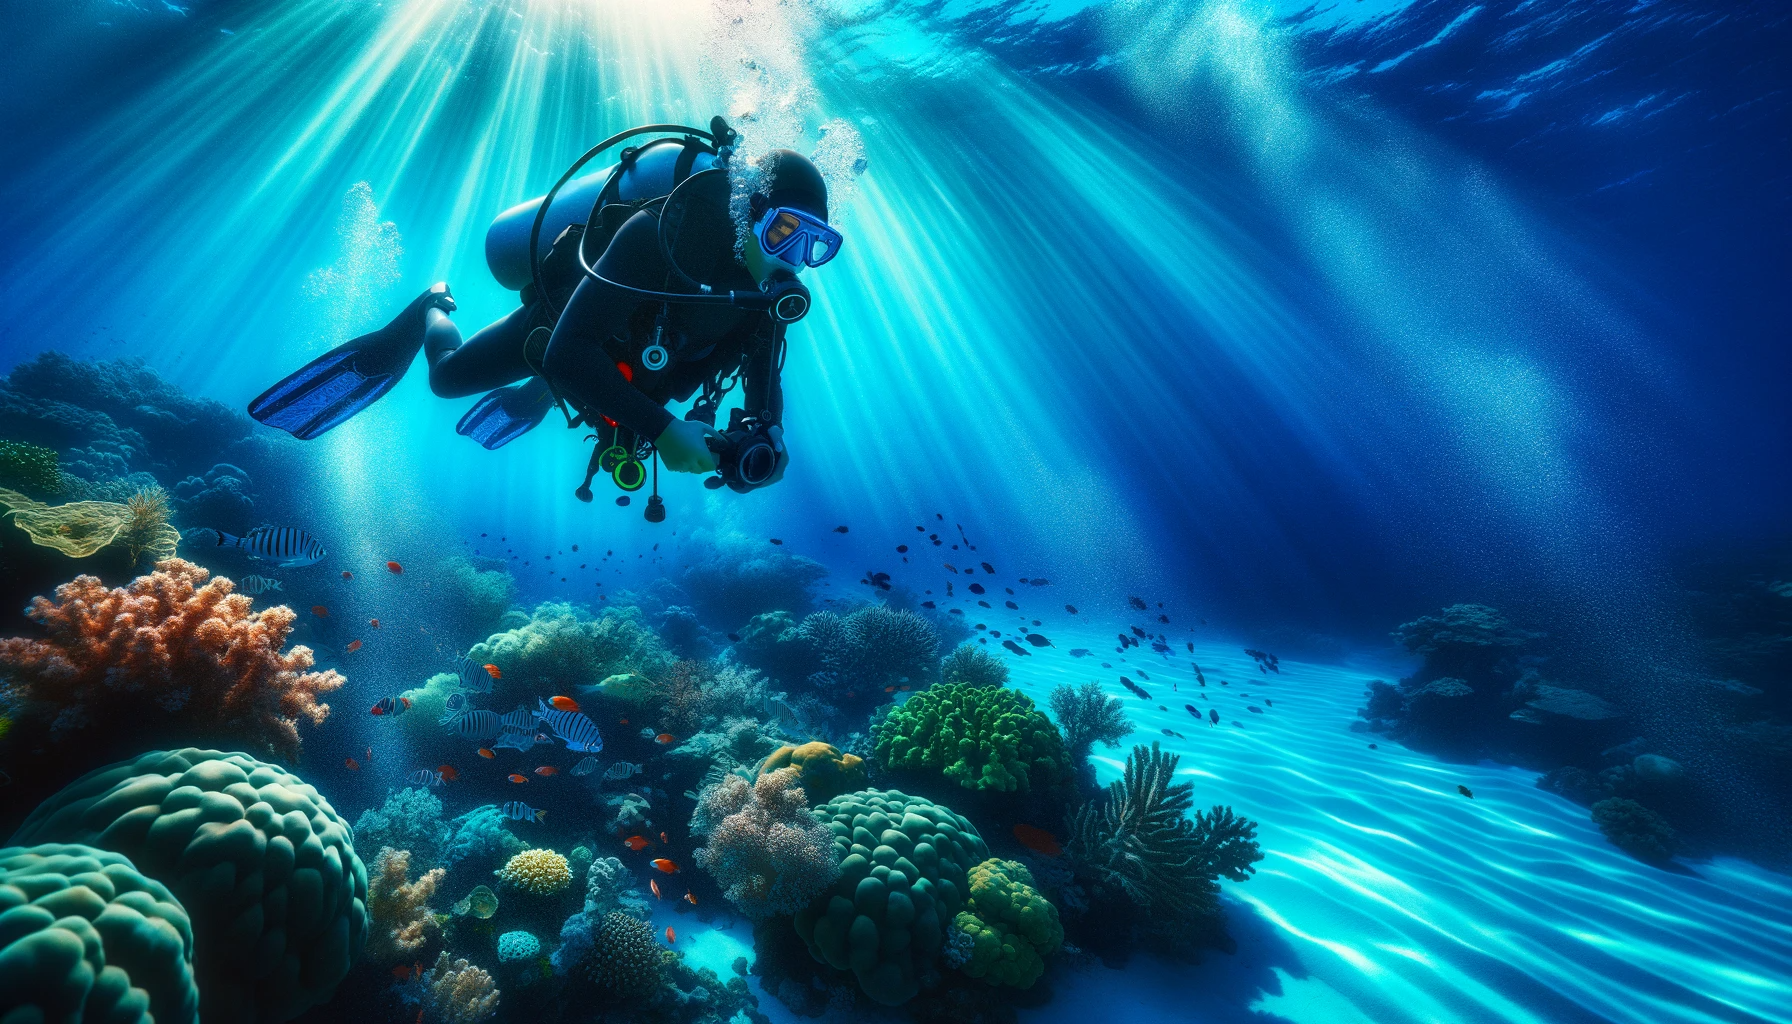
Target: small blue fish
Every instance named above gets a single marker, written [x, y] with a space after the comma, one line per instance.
[1214, 716]
[253, 585]
[516, 810]
[426, 777]
[285, 546]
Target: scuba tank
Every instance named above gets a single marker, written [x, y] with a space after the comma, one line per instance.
[648, 172]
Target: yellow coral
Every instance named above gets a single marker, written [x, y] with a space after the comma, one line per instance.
[542, 872]
[403, 922]
[826, 771]
[460, 993]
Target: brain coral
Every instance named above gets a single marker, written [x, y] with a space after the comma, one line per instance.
[261, 861]
[542, 872]
[1011, 926]
[824, 771]
[84, 937]
[981, 737]
[517, 945]
[903, 863]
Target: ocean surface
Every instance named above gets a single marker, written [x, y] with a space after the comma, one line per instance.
[1301, 320]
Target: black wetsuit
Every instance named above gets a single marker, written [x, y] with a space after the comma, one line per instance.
[603, 326]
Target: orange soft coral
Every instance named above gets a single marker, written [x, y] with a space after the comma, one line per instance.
[169, 644]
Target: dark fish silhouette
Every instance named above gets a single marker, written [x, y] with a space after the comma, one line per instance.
[1079, 652]
[1253, 709]
[735, 637]
[928, 604]
[988, 568]
[1071, 608]
[1037, 582]
[1016, 648]
[902, 549]
[1012, 605]
[1163, 618]
[1135, 688]
[1191, 709]
[1213, 716]
[840, 529]
[975, 588]
[1136, 602]
[1141, 634]
[1038, 641]
[776, 541]
[1464, 790]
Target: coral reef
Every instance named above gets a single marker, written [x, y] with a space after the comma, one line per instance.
[220, 498]
[562, 647]
[472, 594]
[1141, 844]
[456, 992]
[730, 580]
[698, 695]
[280, 938]
[1088, 716]
[763, 847]
[480, 835]
[170, 647]
[539, 872]
[873, 647]
[980, 738]
[518, 945]
[30, 467]
[1011, 927]
[609, 889]
[85, 937]
[969, 663]
[903, 866]
[1635, 829]
[823, 770]
[411, 820]
[625, 960]
[735, 745]
[402, 922]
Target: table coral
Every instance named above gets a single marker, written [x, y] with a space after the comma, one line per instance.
[171, 643]
[764, 848]
[403, 923]
[456, 992]
[982, 738]
[260, 860]
[85, 937]
[541, 872]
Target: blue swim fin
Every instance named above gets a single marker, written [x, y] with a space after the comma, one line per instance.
[352, 376]
[507, 413]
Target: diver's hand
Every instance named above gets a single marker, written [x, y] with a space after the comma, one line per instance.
[777, 436]
[682, 448]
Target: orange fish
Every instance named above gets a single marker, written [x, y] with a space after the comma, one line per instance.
[448, 772]
[494, 671]
[655, 886]
[547, 769]
[347, 575]
[564, 704]
[514, 777]
[375, 623]
[624, 721]
[664, 738]
[1038, 840]
[889, 689]
[353, 646]
[320, 611]
[487, 753]
[401, 972]
[351, 764]
[663, 838]
[395, 567]
[902, 688]
[692, 900]
[636, 843]
[665, 866]
[671, 936]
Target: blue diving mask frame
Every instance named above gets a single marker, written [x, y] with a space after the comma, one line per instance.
[797, 238]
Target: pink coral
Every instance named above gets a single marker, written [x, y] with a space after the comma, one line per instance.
[170, 643]
[765, 849]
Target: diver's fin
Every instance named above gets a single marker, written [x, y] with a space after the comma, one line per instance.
[507, 413]
[351, 376]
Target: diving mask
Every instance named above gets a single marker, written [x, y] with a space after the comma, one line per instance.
[796, 237]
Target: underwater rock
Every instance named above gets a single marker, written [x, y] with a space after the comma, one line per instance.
[88, 938]
[220, 499]
[1560, 702]
[184, 816]
[763, 847]
[609, 889]
[729, 580]
[903, 875]
[563, 647]
[1656, 770]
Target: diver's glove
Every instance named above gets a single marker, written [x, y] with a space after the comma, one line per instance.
[683, 448]
[777, 436]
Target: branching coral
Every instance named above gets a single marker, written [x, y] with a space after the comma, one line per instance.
[1635, 829]
[456, 992]
[540, 872]
[410, 820]
[562, 647]
[873, 647]
[1141, 843]
[1011, 926]
[402, 920]
[969, 663]
[262, 863]
[84, 937]
[825, 772]
[171, 643]
[982, 738]
[698, 694]
[764, 848]
[609, 889]
[1088, 716]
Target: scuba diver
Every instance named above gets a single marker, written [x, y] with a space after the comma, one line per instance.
[637, 290]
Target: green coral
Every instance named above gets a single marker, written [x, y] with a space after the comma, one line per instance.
[29, 466]
[85, 937]
[260, 860]
[1011, 926]
[903, 875]
[562, 647]
[983, 738]
[823, 770]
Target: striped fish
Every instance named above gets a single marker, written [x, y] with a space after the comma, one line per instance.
[285, 546]
[516, 810]
[521, 719]
[457, 705]
[586, 766]
[473, 675]
[479, 726]
[426, 777]
[578, 732]
[621, 770]
[253, 585]
[521, 739]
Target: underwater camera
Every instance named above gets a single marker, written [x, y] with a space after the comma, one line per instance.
[746, 456]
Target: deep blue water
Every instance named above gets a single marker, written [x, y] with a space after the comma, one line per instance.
[1303, 321]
